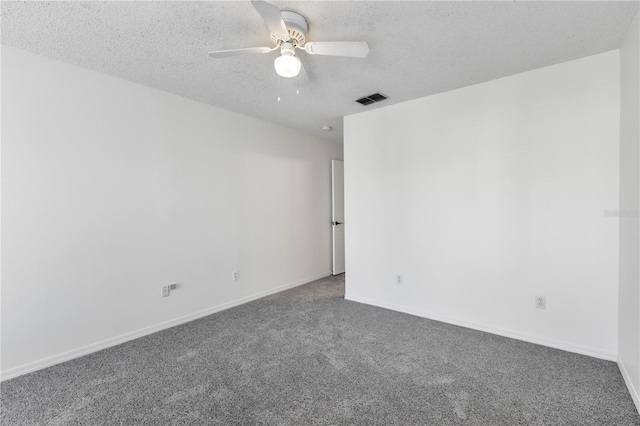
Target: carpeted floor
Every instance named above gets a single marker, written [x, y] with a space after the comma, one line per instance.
[306, 356]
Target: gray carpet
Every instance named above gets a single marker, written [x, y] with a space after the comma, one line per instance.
[306, 356]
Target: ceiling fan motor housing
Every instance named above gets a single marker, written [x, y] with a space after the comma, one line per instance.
[297, 27]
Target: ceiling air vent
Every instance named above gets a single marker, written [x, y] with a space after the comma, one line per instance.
[371, 99]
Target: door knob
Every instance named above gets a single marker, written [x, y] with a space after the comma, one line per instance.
[336, 223]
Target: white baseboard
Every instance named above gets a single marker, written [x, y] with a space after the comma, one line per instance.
[94, 347]
[632, 390]
[569, 347]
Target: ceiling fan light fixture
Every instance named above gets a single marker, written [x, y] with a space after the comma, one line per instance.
[287, 65]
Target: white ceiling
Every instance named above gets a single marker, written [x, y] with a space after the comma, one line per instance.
[417, 48]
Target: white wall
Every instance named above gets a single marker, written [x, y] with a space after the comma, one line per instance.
[629, 306]
[111, 189]
[487, 196]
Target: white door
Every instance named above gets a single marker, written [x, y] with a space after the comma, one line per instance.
[337, 215]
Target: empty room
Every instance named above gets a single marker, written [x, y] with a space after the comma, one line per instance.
[320, 213]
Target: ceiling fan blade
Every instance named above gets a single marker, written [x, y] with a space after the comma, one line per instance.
[238, 52]
[353, 49]
[272, 17]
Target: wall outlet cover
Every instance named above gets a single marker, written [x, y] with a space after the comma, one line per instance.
[165, 291]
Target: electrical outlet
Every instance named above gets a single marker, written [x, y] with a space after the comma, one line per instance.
[399, 279]
[165, 291]
[541, 302]
[235, 275]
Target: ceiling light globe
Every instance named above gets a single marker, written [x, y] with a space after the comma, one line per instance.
[287, 66]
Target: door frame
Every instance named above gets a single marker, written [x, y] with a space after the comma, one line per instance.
[337, 219]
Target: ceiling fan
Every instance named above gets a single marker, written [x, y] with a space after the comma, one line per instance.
[288, 33]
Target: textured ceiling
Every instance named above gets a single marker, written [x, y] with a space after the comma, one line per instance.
[417, 48]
